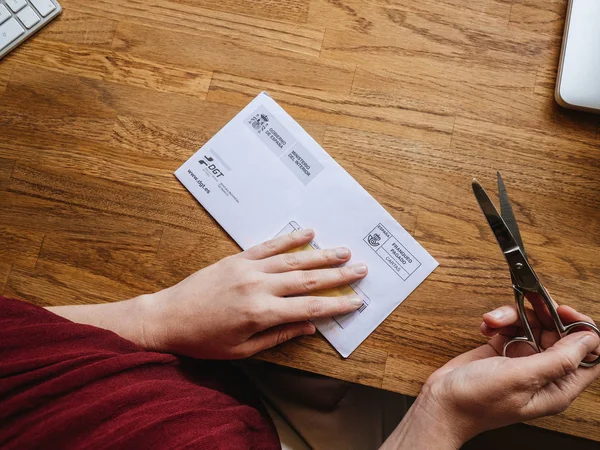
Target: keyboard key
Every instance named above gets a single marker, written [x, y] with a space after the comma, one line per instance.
[9, 31]
[44, 7]
[4, 14]
[16, 5]
[28, 17]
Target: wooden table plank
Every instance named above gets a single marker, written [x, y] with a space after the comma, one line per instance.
[240, 58]
[382, 17]
[412, 97]
[337, 109]
[196, 20]
[6, 168]
[6, 69]
[287, 10]
[517, 107]
[19, 246]
[540, 16]
[365, 366]
[80, 29]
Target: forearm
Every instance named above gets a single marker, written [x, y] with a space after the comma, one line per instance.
[425, 426]
[126, 318]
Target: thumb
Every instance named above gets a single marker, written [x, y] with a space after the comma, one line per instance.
[562, 358]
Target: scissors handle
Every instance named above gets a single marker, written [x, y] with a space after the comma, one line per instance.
[562, 329]
[529, 338]
[572, 327]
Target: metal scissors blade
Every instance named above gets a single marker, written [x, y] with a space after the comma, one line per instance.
[507, 213]
[522, 273]
[503, 235]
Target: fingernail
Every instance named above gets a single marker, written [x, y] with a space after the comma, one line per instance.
[356, 301]
[308, 232]
[360, 269]
[342, 253]
[497, 314]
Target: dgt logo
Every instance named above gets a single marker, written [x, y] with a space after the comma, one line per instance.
[211, 166]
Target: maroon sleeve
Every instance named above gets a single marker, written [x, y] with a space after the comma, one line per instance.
[67, 385]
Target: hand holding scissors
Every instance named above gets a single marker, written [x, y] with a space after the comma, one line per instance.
[524, 280]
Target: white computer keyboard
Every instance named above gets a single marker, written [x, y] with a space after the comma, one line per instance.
[19, 19]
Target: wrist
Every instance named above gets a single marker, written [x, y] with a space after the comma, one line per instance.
[428, 425]
[153, 321]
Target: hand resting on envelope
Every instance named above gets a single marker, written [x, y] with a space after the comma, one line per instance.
[237, 307]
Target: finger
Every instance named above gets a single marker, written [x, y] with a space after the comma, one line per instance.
[541, 310]
[507, 315]
[303, 260]
[560, 360]
[275, 336]
[548, 339]
[279, 244]
[305, 281]
[296, 309]
[510, 331]
[497, 343]
[516, 350]
[569, 315]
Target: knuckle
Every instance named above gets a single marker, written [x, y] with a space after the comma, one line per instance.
[292, 239]
[308, 281]
[291, 260]
[282, 336]
[314, 307]
[329, 256]
[343, 273]
[269, 245]
[528, 382]
[568, 363]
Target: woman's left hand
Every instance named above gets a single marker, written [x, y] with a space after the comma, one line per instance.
[251, 301]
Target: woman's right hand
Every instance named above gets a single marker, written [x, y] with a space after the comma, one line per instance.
[481, 389]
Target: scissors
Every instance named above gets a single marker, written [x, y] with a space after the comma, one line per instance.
[524, 279]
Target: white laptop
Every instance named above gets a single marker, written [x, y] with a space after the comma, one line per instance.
[578, 82]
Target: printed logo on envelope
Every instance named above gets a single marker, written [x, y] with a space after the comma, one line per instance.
[393, 253]
[270, 131]
[209, 162]
[259, 122]
[283, 144]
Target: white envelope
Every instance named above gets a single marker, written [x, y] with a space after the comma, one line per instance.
[263, 175]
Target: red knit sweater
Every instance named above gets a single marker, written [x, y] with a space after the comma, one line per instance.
[66, 385]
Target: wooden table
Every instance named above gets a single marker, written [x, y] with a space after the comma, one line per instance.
[412, 97]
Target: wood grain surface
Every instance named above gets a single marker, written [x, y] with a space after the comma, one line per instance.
[412, 97]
